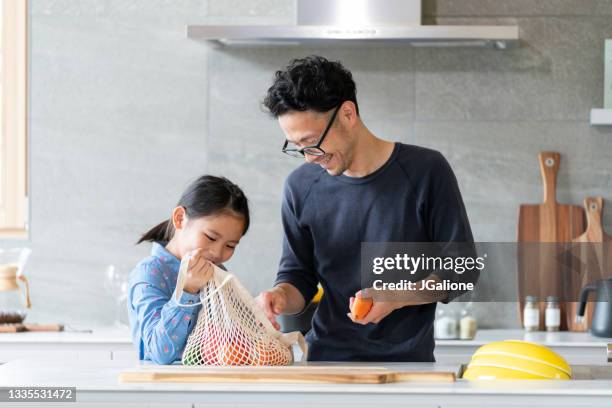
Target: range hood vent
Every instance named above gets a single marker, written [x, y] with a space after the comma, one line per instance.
[321, 22]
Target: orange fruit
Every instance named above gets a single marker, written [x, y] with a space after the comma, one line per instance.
[264, 355]
[361, 307]
[235, 353]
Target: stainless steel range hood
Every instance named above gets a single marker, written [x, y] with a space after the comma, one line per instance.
[323, 22]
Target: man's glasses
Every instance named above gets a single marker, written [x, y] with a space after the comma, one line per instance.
[314, 150]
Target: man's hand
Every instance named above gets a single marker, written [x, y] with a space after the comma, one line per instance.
[284, 298]
[379, 310]
[273, 303]
[395, 300]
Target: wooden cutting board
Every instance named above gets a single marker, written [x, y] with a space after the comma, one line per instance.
[290, 374]
[24, 327]
[539, 273]
[593, 254]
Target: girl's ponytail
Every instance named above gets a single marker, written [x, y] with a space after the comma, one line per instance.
[162, 232]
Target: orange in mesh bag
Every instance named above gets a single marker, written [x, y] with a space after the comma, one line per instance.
[232, 329]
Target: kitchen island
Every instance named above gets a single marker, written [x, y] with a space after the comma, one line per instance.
[97, 382]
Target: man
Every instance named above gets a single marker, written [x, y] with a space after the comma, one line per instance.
[354, 188]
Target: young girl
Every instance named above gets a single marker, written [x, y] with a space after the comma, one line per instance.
[209, 219]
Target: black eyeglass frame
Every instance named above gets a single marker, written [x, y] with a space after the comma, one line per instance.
[314, 150]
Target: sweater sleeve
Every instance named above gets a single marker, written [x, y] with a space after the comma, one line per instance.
[163, 325]
[297, 259]
[448, 223]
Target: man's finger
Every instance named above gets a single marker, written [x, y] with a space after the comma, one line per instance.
[350, 316]
[269, 306]
[366, 293]
[372, 315]
[264, 305]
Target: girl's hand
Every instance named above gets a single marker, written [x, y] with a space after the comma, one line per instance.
[199, 273]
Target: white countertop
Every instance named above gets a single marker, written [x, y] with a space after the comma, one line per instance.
[98, 376]
[96, 379]
[118, 335]
[553, 339]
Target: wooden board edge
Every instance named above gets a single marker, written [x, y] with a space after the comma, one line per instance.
[430, 376]
[143, 376]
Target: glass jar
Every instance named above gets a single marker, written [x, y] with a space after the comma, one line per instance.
[552, 314]
[14, 287]
[531, 314]
[445, 325]
[467, 324]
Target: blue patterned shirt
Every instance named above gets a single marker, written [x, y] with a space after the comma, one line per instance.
[159, 326]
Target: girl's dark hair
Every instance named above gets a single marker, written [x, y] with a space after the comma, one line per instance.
[207, 195]
[311, 83]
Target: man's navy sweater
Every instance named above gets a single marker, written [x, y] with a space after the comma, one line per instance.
[413, 197]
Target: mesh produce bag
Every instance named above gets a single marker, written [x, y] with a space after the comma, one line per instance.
[232, 329]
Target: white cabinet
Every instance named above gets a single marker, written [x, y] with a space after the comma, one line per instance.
[100, 344]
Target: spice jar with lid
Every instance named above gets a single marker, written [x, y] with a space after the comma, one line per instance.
[445, 325]
[467, 324]
[531, 314]
[552, 314]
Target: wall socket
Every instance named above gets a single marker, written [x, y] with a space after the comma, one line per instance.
[608, 75]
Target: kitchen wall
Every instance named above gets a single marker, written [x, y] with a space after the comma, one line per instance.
[125, 111]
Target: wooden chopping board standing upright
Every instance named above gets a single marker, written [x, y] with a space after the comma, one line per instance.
[593, 256]
[540, 226]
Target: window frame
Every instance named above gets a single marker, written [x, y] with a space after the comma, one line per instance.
[14, 206]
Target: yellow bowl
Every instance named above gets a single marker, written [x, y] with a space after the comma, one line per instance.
[518, 364]
[497, 373]
[517, 359]
[525, 350]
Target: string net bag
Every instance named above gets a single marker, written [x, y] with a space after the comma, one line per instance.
[231, 329]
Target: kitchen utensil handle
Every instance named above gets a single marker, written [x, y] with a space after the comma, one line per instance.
[549, 166]
[44, 327]
[26, 294]
[594, 208]
[584, 296]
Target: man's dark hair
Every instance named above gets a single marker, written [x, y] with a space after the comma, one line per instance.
[311, 83]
